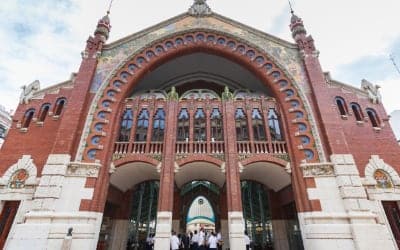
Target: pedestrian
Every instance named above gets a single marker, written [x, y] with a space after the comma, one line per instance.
[195, 240]
[174, 241]
[202, 237]
[219, 239]
[212, 241]
[247, 240]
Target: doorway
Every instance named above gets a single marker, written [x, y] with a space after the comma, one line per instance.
[392, 212]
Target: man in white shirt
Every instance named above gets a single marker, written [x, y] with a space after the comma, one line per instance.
[174, 241]
[212, 242]
[195, 240]
[219, 240]
[202, 239]
[246, 240]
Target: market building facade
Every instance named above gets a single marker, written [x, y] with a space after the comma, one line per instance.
[200, 121]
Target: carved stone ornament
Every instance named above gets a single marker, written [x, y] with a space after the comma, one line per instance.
[200, 8]
[21, 174]
[82, 169]
[372, 90]
[28, 92]
[317, 169]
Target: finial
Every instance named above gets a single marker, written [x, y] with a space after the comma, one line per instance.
[104, 26]
[109, 7]
[173, 95]
[199, 9]
[227, 95]
[290, 6]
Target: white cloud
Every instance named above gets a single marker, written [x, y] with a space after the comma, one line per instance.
[48, 46]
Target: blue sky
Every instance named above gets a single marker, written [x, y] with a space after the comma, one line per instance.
[43, 39]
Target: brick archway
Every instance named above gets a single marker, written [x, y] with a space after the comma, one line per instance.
[126, 78]
[96, 144]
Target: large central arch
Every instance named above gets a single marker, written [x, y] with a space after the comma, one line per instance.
[111, 94]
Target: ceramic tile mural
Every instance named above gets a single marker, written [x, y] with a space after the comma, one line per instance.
[115, 55]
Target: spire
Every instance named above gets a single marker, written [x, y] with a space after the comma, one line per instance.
[296, 24]
[199, 9]
[103, 27]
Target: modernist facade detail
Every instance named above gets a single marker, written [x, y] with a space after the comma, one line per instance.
[200, 122]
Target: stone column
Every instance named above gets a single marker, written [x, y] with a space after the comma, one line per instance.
[166, 194]
[234, 201]
[346, 218]
[56, 207]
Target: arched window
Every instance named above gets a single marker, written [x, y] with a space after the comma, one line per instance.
[142, 125]
[158, 125]
[126, 125]
[258, 125]
[341, 105]
[200, 125]
[44, 110]
[373, 117]
[217, 131]
[60, 103]
[274, 125]
[183, 125]
[27, 118]
[356, 111]
[242, 132]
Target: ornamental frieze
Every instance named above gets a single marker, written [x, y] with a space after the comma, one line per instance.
[82, 169]
[317, 169]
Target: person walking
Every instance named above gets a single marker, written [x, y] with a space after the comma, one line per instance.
[219, 239]
[202, 237]
[195, 241]
[174, 241]
[247, 240]
[212, 242]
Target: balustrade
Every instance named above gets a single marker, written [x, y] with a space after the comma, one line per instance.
[201, 147]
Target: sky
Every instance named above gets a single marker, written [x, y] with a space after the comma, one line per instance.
[42, 40]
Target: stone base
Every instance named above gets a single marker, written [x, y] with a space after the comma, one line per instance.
[47, 230]
[163, 230]
[236, 230]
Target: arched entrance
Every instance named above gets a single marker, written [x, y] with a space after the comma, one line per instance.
[131, 207]
[212, 119]
[269, 208]
[200, 206]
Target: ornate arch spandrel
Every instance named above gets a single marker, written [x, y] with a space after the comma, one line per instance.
[121, 82]
[26, 164]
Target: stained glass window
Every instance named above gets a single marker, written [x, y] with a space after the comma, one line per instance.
[142, 125]
[258, 125]
[216, 125]
[242, 132]
[126, 125]
[183, 125]
[159, 125]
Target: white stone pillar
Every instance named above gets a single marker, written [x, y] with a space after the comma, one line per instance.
[236, 230]
[55, 208]
[163, 230]
[346, 220]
